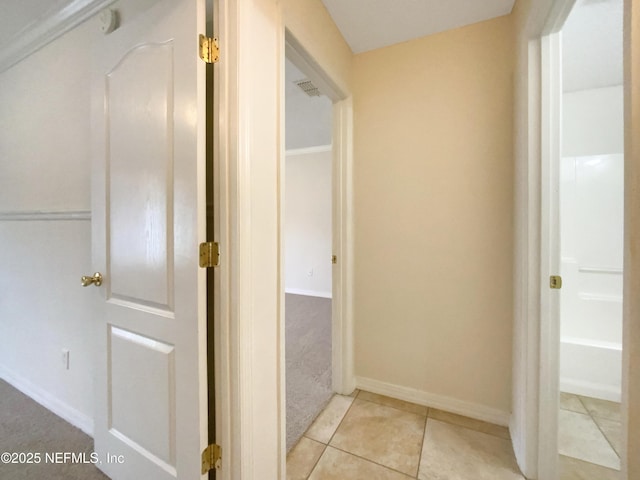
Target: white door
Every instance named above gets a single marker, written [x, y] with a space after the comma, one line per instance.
[149, 216]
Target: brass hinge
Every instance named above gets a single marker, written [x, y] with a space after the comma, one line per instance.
[334, 259]
[555, 282]
[209, 254]
[209, 49]
[211, 458]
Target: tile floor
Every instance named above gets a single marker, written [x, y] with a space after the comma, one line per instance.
[372, 437]
[589, 438]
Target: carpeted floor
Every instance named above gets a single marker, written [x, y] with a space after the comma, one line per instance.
[308, 360]
[27, 427]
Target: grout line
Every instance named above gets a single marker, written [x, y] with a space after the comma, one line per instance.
[589, 463]
[396, 408]
[424, 434]
[342, 419]
[372, 461]
[317, 461]
[598, 427]
[591, 416]
[605, 437]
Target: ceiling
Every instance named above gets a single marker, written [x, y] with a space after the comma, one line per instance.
[371, 24]
[17, 16]
[365, 24]
[592, 45]
[308, 119]
[592, 35]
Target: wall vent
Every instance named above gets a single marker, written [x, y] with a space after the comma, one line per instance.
[308, 87]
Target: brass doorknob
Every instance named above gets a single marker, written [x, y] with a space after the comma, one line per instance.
[95, 280]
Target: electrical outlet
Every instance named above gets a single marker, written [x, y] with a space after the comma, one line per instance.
[310, 272]
[65, 358]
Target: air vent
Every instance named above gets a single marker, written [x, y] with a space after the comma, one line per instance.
[308, 87]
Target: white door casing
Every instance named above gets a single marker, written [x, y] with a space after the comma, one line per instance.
[550, 256]
[148, 203]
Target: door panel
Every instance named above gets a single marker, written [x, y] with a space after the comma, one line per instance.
[138, 116]
[142, 399]
[148, 218]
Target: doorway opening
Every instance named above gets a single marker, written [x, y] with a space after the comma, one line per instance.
[591, 193]
[582, 179]
[307, 222]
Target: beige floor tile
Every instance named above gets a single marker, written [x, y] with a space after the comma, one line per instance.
[323, 428]
[382, 434]
[602, 408]
[355, 393]
[480, 426]
[569, 401]
[337, 465]
[393, 402]
[302, 458]
[579, 437]
[452, 452]
[574, 469]
[613, 431]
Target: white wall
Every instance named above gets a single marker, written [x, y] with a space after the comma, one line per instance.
[591, 212]
[307, 222]
[45, 166]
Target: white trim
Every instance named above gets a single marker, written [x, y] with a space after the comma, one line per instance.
[45, 215]
[308, 293]
[590, 389]
[587, 342]
[343, 373]
[599, 297]
[549, 99]
[441, 402]
[610, 270]
[551, 124]
[48, 401]
[47, 28]
[249, 147]
[296, 52]
[309, 150]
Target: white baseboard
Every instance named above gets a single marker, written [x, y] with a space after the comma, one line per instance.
[308, 293]
[452, 405]
[48, 401]
[593, 390]
[308, 150]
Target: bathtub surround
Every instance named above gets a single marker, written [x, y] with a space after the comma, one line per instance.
[591, 213]
[591, 209]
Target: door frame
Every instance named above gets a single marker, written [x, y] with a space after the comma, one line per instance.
[342, 368]
[551, 153]
[536, 341]
[249, 89]
[550, 101]
[342, 373]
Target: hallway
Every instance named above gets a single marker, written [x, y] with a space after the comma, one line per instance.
[367, 436]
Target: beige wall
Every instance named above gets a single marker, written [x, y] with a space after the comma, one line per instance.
[433, 214]
[631, 347]
[310, 23]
